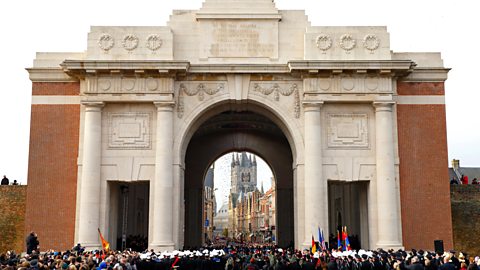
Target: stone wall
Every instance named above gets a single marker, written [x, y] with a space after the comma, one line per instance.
[465, 215]
[12, 218]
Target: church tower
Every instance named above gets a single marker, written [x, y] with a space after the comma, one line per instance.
[244, 173]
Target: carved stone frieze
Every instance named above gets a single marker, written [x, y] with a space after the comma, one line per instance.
[129, 130]
[126, 85]
[358, 84]
[198, 89]
[279, 88]
[348, 131]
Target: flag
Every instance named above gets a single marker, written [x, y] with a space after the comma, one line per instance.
[105, 243]
[324, 244]
[339, 241]
[347, 242]
[320, 239]
[344, 238]
[314, 246]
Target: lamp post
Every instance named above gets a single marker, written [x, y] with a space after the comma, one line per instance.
[124, 190]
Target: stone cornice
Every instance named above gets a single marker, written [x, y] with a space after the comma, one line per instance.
[427, 75]
[49, 75]
[384, 66]
[72, 70]
[239, 68]
[79, 68]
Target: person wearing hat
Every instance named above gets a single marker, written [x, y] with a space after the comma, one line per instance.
[102, 265]
[34, 264]
[251, 265]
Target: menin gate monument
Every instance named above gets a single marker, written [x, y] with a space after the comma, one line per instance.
[354, 133]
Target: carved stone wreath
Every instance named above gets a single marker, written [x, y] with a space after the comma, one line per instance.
[371, 42]
[347, 42]
[154, 42]
[106, 42]
[130, 42]
[324, 42]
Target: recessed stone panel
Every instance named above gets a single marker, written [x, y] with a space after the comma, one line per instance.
[347, 131]
[129, 131]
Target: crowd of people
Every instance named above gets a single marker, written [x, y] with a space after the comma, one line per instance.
[239, 257]
[464, 181]
[5, 181]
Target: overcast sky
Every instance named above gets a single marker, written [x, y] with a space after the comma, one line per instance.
[449, 27]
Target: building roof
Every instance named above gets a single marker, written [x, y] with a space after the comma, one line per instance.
[209, 178]
[471, 172]
[223, 211]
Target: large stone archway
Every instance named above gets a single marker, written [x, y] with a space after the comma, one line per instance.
[137, 104]
[238, 130]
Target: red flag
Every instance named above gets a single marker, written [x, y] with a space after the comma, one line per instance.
[344, 233]
[314, 246]
[105, 243]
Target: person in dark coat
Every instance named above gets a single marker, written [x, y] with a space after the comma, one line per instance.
[5, 181]
[332, 265]
[415, 265]
[308, 264]
[447, 265]
[454, 259]
[32, 242]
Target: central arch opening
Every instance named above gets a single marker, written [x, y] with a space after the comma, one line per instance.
[237, 130]
[239, 201]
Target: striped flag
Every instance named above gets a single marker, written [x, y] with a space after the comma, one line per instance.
[347, 242]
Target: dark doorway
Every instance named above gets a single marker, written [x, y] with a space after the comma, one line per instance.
[348, 207]
[130, 205]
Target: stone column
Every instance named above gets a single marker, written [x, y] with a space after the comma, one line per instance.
[387, 196]
[161, 188]
[89, 215]
[316, 189]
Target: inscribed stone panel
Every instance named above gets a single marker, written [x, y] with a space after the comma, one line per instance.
[239, 39]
